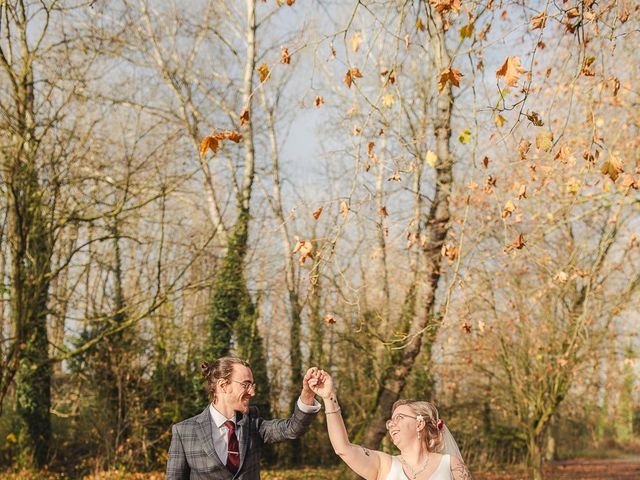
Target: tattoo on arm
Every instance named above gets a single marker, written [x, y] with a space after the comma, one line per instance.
[460, 472]
[366, 451]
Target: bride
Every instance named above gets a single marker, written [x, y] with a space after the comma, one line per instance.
[427, 448]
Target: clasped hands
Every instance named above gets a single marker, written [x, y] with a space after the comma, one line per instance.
[316, 382]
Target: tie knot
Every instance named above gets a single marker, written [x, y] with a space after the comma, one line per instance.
[230, 425]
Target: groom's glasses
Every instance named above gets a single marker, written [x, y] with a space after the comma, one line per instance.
[396, 419]
[246, 386]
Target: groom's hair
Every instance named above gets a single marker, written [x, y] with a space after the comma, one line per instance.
[220, 369]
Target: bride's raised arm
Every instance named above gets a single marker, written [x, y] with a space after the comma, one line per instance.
[361, 460]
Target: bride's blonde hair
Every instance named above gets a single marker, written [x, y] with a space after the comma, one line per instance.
[432, 436]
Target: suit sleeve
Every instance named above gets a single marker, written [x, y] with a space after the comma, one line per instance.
[177, 466]
[273, 431]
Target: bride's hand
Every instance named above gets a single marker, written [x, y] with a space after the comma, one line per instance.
[321, 384]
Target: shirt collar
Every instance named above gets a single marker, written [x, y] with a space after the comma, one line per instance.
[219, 418]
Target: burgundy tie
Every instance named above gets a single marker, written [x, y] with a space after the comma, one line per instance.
[233, 450]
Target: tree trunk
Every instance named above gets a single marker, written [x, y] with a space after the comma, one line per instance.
[435, 226]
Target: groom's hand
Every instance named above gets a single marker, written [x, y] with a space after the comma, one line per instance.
[307, 396]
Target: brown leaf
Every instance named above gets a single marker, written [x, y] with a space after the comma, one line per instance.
[284, 56]
[420, 25]
[612, 167]
[355, 73]
[305, 248]
[449, 75]
[485, 162]
[522, 192]
[508, 209]
[344, 208]
[263, 70]
[517, 244]
[466, 328]
[615, 85]
[449, 251]
[523, 148]
[370, 147]
[383, 212]
[209, 143]
[588, 70]
[563, 155]
[355, 41]
[317, 213]
[538, 21]
[510, 70]
[534, 118]
[445, 6]
[318, 101]
[244, 116]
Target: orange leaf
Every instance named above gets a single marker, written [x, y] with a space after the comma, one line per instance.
[347, 79]
[244, 117]
[538, 21]
[284, 56]
[344, 208]
[508, 209]
[449, 75]
[330, 319]
[383, 212]
[612, 167]
[510, 70]
[318, 101]
[444, 6]
[517, 244]
[305, 248]
[208, 143]
[264, 72]
[317, 213]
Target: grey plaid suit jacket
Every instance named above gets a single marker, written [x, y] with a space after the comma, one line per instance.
[192, 455]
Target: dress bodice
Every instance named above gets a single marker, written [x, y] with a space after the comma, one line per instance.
[442, 472]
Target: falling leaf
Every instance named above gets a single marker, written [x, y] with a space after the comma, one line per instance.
[208, 143]
[431, 158]
[370, 147]
[534, 117]
[466, 31]
[355, 41]
[500, 120]
[624, 15]
[284, 56]
[263, 70]
[588, 69]
[212, 142]
[510, 70]
[612, 167]
[383, 212]
[344, 208]
[523, 148]
[350, 75]
[318, 101]
[445, 6]
[544, 141]
[449, 75]
[305, 248]
[563, 155]
[517, 244]
[573, 12]
[466, 328]
[420, 25]
[387, 100]
[465, 136]
[244, 116]
[485, 162]
[329, 319]
[508, 209]
[316, 214]
[538, 21]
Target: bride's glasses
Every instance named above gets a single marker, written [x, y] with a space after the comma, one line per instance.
[398, 418]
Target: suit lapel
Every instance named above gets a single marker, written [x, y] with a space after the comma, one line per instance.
[244, 425]
[205, 434]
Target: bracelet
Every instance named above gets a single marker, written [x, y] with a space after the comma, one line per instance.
[335, 411]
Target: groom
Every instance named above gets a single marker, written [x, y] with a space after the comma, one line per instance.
[225, 441]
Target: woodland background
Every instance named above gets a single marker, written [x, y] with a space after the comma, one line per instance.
[431, 199]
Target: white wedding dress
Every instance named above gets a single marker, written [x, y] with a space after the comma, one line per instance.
[442, 472]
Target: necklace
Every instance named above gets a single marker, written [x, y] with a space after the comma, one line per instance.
[415, 473]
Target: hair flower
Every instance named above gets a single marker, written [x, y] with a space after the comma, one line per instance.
[419, 418]
[440, 424]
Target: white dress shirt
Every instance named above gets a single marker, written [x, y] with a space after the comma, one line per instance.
[221, 433]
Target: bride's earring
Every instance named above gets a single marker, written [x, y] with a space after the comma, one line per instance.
[418, 434]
